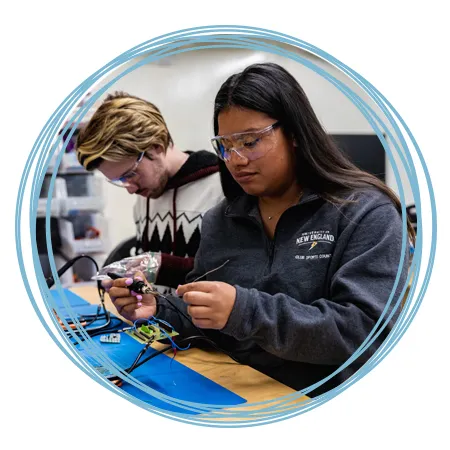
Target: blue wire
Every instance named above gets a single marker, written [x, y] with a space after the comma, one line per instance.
[173, 343]
[136, 321]
[162, 321]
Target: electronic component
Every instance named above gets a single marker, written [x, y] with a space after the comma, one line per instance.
[112, 338]
[150, 333]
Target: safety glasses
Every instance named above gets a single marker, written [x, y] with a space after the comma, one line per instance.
[251, 145]
[124, 180]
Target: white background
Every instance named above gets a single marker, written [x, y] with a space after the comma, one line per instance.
[48, 48]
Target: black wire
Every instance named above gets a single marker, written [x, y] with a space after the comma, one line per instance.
[136, 364]
[136, 361]
[98, 332]
[153, 355]
[203, 335]
[95, 329]
[101, 292]
[183, 314]
[103, 329]
[95, 317]
[51, 281]
[211, 342]
[109, 330]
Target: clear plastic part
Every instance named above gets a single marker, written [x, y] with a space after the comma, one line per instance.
[147, 263]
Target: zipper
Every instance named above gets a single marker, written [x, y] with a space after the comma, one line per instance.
[270, 244]
[271, 253]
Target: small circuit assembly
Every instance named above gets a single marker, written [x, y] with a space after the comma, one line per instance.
[151, 332]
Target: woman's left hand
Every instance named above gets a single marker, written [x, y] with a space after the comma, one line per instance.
[209, 302]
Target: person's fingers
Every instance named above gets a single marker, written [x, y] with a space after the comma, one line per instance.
[107, 284]
[202, 323]
[122, 282]
[199, 312]
[119, 292]
[197, 298]
[127, 310]
[121, 303]
[201, 286]
[140, 276]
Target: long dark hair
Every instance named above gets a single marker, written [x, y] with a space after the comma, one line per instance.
[320, 164]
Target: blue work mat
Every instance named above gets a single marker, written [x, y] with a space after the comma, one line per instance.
[162, 373]
[72, 299]
[79, 307]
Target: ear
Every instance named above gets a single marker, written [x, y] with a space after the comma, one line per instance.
[156, 150]
[294, 142]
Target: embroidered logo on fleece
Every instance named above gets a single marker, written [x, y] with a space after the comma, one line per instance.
[321, 240]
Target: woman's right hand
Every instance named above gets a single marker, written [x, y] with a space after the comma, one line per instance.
[130, 305]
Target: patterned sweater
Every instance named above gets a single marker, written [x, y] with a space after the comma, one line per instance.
[171, 224]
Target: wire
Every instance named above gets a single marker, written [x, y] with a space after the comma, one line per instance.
[93, 317]
[213, 344]
[112, 329]
[172, 341]
[182, 313]
[141, 353]
[139, 320]
[166, 349]
[51, 281]
[174, 346]
[157, 294]
[153, 355]
[162, 321]
[101, 292]
[203, 335]
[210, 271]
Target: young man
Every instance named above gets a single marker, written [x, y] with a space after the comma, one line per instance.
[128, 141]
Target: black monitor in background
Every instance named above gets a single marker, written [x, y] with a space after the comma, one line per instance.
[365, 150]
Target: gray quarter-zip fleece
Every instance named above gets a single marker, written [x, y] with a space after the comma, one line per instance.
[306, 300]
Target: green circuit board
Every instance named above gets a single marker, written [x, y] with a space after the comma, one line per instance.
[150, 333]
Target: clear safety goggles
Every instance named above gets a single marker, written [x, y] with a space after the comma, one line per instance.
[250, 144]
[124, 180]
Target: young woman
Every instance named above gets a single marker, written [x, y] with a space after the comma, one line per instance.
[311, 244]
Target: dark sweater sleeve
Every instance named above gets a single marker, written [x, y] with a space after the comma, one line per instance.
[172, 308]
[173, 270]
[330, 330]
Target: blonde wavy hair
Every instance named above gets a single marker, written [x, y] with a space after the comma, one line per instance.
[123, 126]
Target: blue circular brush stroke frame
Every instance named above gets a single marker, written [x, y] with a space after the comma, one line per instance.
[239, 37]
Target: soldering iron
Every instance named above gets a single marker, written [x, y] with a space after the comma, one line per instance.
[137, 286]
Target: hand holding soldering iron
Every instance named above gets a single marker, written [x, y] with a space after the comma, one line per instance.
[133, 298]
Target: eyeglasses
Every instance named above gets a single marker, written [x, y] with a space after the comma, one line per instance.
[251, 145]
[122, 181]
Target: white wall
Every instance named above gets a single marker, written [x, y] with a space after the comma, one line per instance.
[184, 87]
